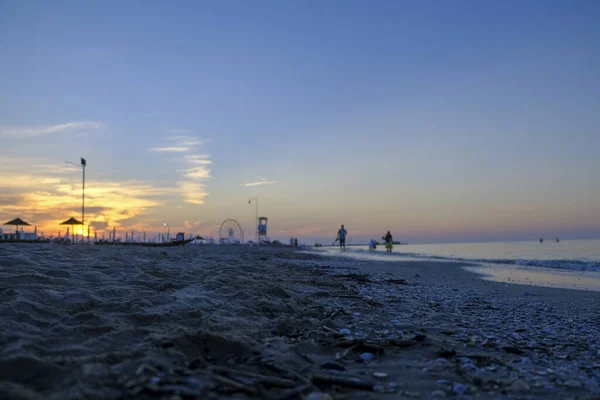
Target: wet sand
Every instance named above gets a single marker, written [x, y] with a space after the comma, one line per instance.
[85, 322]
[538, 276]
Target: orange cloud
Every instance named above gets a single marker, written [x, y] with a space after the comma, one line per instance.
[46, 201]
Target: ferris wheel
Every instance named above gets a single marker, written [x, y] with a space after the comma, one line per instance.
[231, 232]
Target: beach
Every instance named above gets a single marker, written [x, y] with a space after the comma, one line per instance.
[234, 322]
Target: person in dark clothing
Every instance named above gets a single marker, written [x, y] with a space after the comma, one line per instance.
[389, 244]
[342, 238]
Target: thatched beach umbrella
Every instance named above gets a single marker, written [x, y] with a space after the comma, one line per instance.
[17, 222]
[71, 221]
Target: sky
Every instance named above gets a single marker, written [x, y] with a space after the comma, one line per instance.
[439, 121]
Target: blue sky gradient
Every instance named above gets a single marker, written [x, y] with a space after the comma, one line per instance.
[440, 121]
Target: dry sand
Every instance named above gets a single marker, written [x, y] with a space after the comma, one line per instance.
[85, 322]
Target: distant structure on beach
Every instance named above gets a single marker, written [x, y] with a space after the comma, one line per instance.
[262, 229]
[231, 232]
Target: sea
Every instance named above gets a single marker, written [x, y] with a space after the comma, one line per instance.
[572, 264]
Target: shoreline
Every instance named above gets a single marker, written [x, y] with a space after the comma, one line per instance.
[237, 322]
[497, 272]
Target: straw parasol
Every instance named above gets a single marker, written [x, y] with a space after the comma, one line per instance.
[71, 221]
[17, 222]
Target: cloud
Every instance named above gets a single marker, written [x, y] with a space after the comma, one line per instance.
[197, 173]
[194, 167]
[262, 181]
[47, 200]
[47, 130]
[193, 192]
[99, 225]
[198, 159]
[187, 141]
[178, 131]
[182, 144]
[170, 149]
[8, 200]
[191, 224]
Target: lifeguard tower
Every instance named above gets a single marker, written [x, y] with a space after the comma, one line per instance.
[262, 229]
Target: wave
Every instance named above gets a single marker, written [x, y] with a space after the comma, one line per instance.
[569, 265]
[574, 265]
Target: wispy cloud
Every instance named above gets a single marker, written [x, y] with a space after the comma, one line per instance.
[194, 192]
[195, 170]
[178, 131]
[198, 159]
[198, 173]
[192, 224]
[170, 149]
[24, 132]
[262, 181]
[187, 141]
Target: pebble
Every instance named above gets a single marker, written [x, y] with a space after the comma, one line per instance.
[367, 357]
[519, 386]
[411, 394]
[194, 383]
[380, 388]
[541, 346]
[380, 375]
[469, 367]
[318, 396]
[345, 331]
[459, 388]
[573, 383]
[548, 331]
[333, 366]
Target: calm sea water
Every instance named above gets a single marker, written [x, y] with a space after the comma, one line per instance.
[568, 263]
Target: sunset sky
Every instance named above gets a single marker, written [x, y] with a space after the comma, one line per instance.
[437, 120]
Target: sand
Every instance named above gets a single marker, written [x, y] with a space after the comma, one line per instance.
[85, 322]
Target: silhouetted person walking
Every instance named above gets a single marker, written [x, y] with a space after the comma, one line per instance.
[389, 244]
[342, 238]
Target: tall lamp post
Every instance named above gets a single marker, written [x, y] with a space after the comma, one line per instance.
[82, 166]
[256, 221]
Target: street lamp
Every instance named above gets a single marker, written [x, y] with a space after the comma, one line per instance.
[82, 166]
[256, 221]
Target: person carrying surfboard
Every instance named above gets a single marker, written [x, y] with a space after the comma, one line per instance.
[341, 236]
[389, 244]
